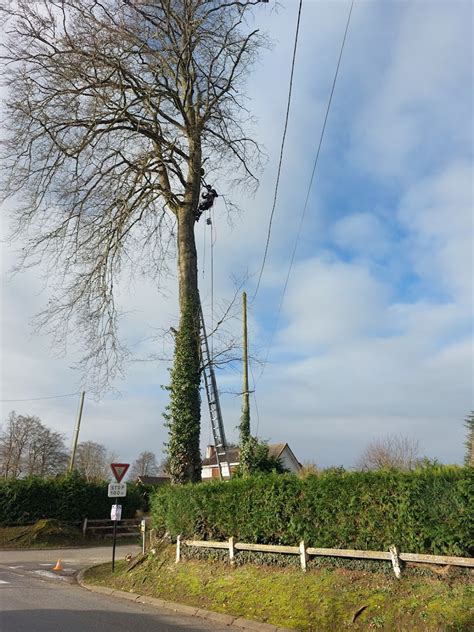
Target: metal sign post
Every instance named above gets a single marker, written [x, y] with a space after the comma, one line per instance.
[115, 515]
[115, 535]
[143, 530]
[117, 490]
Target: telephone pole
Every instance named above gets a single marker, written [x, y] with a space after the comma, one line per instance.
[245, 422]
[76, 433]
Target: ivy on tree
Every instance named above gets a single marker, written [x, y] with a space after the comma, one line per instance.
[184, 459]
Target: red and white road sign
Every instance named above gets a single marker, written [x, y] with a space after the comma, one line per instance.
[119, 470]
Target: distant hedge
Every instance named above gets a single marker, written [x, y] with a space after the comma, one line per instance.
[426, 511]
[68, 499]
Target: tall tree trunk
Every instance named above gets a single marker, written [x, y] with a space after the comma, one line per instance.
[184, 410]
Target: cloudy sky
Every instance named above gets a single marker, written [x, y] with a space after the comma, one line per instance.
[375, 331]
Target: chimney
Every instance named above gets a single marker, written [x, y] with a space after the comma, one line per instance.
[210, 451]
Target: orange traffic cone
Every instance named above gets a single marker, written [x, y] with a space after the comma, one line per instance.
[58, 566]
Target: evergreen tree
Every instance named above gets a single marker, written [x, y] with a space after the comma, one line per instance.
[469, 443]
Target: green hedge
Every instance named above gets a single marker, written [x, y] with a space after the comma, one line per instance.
[68, 499]
[425, 511]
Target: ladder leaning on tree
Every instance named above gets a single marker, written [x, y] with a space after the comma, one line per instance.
[212, 393]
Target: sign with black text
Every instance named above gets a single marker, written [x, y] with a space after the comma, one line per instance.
[117, 490]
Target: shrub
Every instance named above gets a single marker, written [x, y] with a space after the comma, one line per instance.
[424, 511]
[69, 499]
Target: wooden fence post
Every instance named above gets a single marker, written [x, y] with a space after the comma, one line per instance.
[303, 555]
[178, 548]
[231, 550]
[84, 528]
[395, 561]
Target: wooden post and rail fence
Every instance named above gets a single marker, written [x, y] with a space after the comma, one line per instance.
[125, 528]
[393, 555]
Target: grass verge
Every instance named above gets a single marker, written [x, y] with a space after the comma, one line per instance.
[49, 534]
[319, 600]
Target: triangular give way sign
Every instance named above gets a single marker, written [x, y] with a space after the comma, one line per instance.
[119, 470]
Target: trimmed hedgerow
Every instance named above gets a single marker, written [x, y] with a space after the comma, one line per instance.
[425, 511]
[69, 499]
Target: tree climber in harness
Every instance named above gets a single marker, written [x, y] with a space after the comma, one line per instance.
[208, 197]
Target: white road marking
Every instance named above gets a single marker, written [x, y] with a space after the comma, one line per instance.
[46, 564]
[3, 582]
[15, 567]
[50, 574]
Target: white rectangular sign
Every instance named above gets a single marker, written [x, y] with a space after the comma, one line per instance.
[116, 512]
[117, 490]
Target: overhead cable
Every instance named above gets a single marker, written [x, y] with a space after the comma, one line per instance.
[277, 183]
[35, 399]
[309, 189]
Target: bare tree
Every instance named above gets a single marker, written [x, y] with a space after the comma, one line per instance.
[28, 448]
[47, 455]
[393, 451]
[115, 108]
[163, 467]
[13, 442]
[92, 461]
[145, 465]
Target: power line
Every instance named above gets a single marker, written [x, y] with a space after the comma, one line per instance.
[36, 399]
[204, 249]
[309, 188]
[277, 183]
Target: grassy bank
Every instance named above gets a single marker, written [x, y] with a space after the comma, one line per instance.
[46, 534]
[320, 600]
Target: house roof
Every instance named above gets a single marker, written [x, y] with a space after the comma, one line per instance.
[232, 454]
[274, 450]
[153, 480]
[277, 448]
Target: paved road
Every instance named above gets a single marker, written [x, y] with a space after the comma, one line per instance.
[41, 562]
[33, 602]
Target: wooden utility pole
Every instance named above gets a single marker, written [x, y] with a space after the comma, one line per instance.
[76, 433]
[245, 423]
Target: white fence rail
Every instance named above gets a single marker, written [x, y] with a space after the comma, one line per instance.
[392, 555]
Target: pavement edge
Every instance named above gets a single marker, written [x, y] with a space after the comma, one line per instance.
[217, 617]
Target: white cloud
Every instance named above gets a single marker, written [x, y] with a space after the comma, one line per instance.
[439, 211]
[331, 405]
[330, 302]
[414, 108]
[362, 233]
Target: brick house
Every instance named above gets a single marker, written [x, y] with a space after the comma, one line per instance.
[281, 451]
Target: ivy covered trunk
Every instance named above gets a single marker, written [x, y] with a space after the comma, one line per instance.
[184, 410]
[247, 444]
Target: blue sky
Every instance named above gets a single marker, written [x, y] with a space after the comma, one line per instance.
[375, 334]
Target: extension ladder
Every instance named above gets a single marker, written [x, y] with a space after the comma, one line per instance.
[215, 413]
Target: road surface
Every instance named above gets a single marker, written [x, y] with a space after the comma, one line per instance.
[34, 599]
[41, 562]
